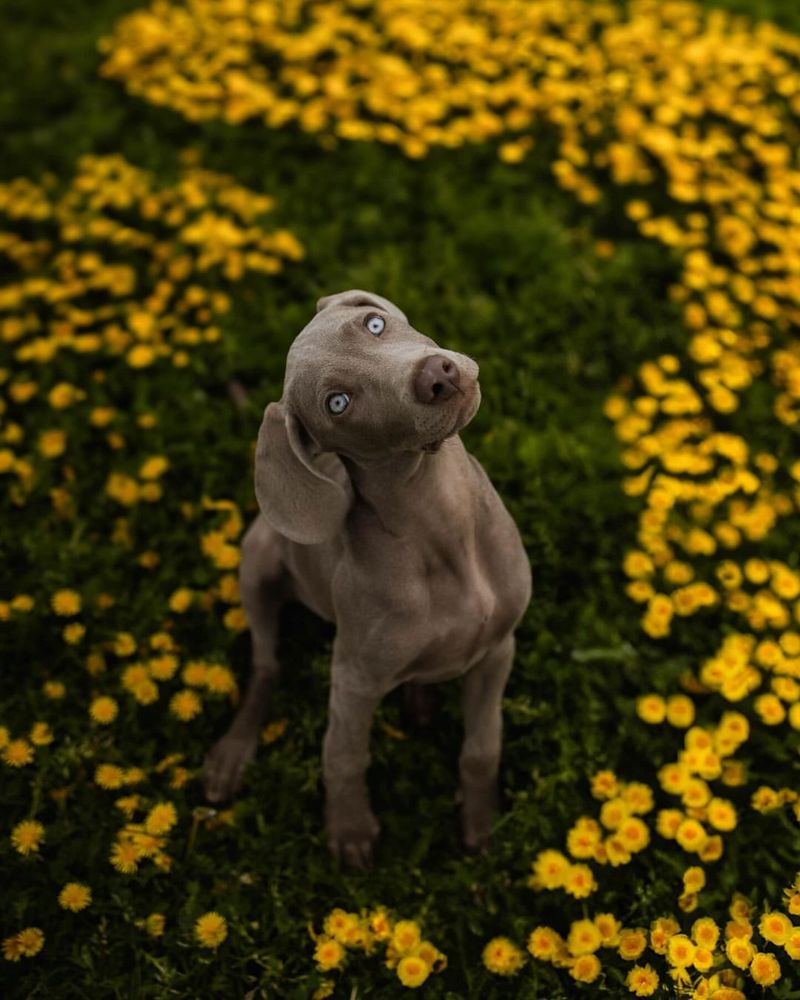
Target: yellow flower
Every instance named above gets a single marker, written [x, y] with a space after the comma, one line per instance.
[103, 710]
[27, 836]
[691, 835]
[609, 928]
[694, 879]
[12, 950]
[185, 705]
[154, 924]
[739, 952]
[328, 953]
[764, 969]
[651, 708]
[632, 942]
[52, 443]
[75, 897]
[412, 971]
[54, 690]
[154, 467]
[125, 856]
[502, 957]
[18, 753]
[775, 927]
[680, 951]
[586, 969]
[722, 814]
[181, 600]
[31, 941]
[605, 785]
[380, 925]
[549, 870]
[140, 356]
[41, 734]
[73, 633]
[705, 933]
[544, 943]
[161, 818]
[211, 929]
[406, 936]
[584, 937]
[579, 881]
[680, 711]
[109, 776]
[792, 945]
[642, 981]
[66, 602]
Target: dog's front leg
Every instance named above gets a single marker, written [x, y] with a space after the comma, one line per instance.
[482, 695]
[351, 827]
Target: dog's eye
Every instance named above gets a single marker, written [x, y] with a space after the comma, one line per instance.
[338, 402]
[375, 325]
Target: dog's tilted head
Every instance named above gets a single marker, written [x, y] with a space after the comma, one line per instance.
[362, 383]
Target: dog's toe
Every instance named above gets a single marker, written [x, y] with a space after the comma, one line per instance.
[224, 767]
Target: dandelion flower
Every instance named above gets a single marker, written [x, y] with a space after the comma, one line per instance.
[161, 818]
[406, 936]
[12, 949]
[103, 710]
[211, 929]
[31, 941]
[18, 753]
[412, 971]
[586, 969]
[75, 897]
[66, 602]
[154, 924]
[502, 957]
[765, 969]
[328, 954]
[185, 705]
[125, 856]
[642, 981]
[109, 776]
[41, 734]
[27, 836]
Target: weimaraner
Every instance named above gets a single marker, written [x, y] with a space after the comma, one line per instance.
[376, 517]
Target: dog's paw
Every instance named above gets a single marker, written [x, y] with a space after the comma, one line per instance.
[477, 816]
[224, 766]
[352, 839]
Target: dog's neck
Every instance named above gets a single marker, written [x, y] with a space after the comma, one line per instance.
[417, 480]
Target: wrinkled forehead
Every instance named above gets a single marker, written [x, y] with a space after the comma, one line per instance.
[335, 336]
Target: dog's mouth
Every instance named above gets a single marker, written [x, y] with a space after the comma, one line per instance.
[469, 401]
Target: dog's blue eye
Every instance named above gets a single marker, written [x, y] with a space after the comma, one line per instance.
[375, 325]
[338, 402]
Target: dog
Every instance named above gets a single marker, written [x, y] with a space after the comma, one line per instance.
[376, 517]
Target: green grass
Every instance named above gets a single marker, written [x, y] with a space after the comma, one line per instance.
[487, 259]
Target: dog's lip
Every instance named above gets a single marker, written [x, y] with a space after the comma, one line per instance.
[462, 416]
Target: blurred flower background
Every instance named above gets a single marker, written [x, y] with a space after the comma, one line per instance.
[598, 201]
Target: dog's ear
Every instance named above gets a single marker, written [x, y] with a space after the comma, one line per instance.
[297, 499]
[358, 297]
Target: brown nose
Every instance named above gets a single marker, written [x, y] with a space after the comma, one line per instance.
[437, 379]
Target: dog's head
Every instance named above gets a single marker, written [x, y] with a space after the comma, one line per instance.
[362, 383]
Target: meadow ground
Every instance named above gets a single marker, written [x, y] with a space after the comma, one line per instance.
[125, 478]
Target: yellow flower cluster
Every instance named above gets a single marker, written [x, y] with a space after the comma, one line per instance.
[343, 932]
[705, 962]
[24, 944]
[613, 840]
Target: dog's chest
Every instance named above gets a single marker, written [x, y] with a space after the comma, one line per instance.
[457, 611]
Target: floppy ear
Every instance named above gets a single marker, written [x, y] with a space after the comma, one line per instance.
[358, 297]
[295, 496]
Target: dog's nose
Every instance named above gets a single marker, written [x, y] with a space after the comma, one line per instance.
[436, 380]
